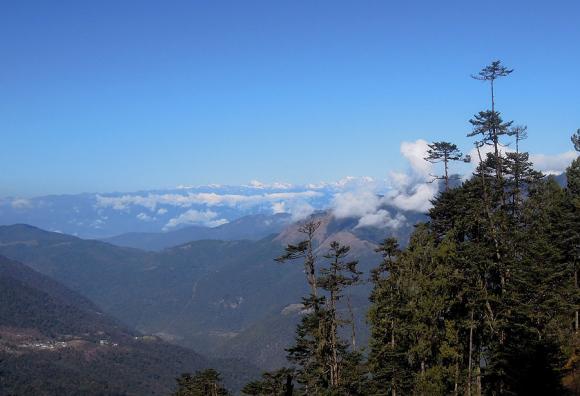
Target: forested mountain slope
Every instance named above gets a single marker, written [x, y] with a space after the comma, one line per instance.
[213, 296]
[55, 342]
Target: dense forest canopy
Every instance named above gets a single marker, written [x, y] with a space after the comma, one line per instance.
[483, 300]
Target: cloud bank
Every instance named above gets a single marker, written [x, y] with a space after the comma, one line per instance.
[372, 202]
[151, 201]
[192, 216]
[553, 164]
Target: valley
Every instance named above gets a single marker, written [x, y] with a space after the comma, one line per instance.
[220, 298]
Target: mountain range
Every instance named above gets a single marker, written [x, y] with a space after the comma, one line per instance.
[54, 341]
[104, 215]
[214, 296]
[251, 227]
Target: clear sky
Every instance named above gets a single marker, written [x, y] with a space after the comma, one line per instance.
[125, 95]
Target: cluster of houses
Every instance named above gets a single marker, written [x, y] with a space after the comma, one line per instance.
[52, 345]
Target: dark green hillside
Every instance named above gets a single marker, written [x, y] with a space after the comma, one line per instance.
[30, 300]
[55, 342]
[143, 367]
[212, 296]
[95, 269]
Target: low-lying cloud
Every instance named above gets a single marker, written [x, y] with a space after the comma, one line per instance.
[553, 164]
[195, 217]
[366, 206]
[374, 203]
[151, 201]
[298, 210]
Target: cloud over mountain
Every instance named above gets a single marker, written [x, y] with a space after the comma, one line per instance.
[553, 164]
[372, 202]
[192, 216]
[152, 200]
[407, 190]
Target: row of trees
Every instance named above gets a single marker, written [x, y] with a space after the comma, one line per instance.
[482, 301]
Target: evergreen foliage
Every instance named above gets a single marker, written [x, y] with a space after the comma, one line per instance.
[576, 139]
[444, 152]
[325, 364]
[202, 383]
[277, 383]
[482, 301]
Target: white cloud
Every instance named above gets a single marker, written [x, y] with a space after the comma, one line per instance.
[298, 210]
[145, 217]
[407, 191]
[368, 207]
[279, 207]
[483, 151]
[355, 204]
[290, 195]
[161, 211]
[381, 219]
[192, 216]
[257, 184]
[418, 199]
[21, 203]
[415, 152]
[547, 163]
[411, 190]
[276, 185]
[150, 201]
[399, 180]
[281, 186]
[553, 164]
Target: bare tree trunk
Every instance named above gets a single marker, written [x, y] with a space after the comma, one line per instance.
[423, 368]
[393, 384]
[289, 389]
[492, 97]
[576, 287]
[352, 324]
[310, 263]
[456, 386]
[478, 380]
[334, 375]
[469, 363]
[488, 212]
[446, 162]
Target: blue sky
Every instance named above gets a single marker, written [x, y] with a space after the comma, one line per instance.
[127, 95]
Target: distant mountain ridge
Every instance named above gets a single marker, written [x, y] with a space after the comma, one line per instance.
[217, 297]
[104, 215]
[251, 227]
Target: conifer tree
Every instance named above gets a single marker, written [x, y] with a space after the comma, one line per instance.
[518, 167]
[443, 152]
[490, 73]
[520, 174]
[387, 315]
[334, 279]
[276, 383]
[310, 350]
[483, 300]
[489, 123]
[571, 234]
[304, 250]
[576, 140]
[324, 363]
[202, 383]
